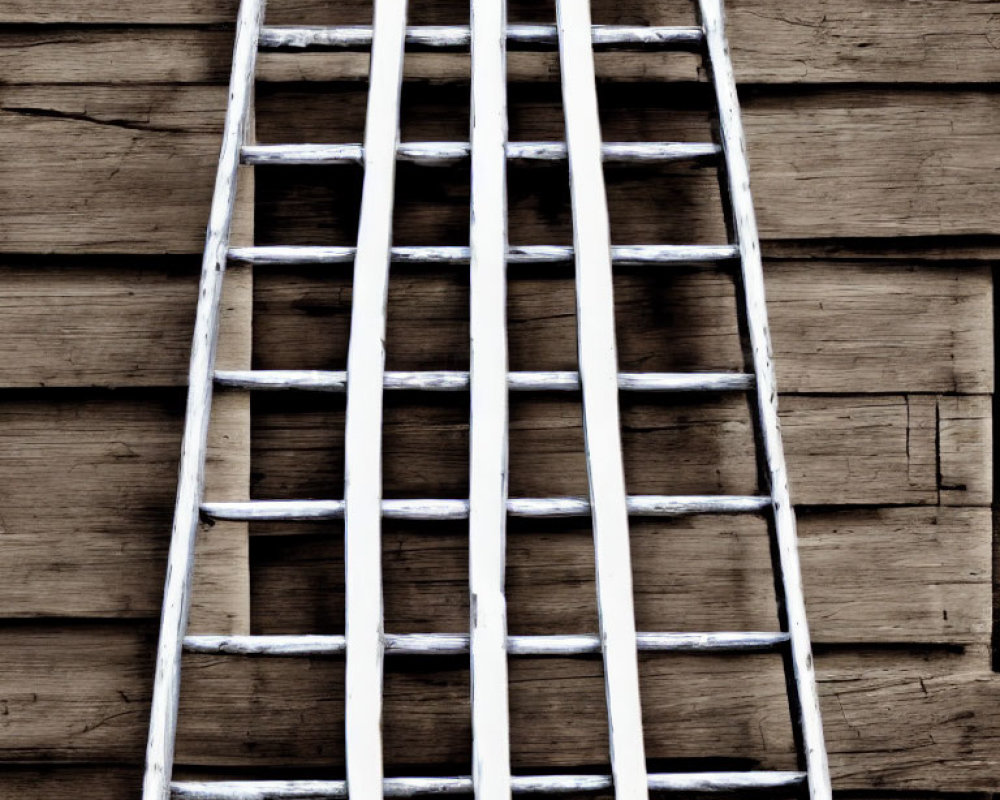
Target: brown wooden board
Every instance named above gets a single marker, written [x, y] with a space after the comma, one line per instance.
[885, 575]
[128, 169]
[817, 41]
[878, 449]
[88, 486]
[837, 326]
[892, 717]
[89, 479]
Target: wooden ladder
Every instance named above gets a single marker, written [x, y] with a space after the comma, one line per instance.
[488, 382]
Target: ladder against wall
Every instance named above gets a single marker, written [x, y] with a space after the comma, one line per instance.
[488, 383]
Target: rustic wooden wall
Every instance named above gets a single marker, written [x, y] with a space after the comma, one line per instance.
[873, 146]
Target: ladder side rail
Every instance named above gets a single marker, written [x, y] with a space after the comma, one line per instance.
[363, 427]
[599, 380]
[803, 688]
[488, 421]
[191, 478]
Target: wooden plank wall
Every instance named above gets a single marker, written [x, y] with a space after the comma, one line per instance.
[872, 130]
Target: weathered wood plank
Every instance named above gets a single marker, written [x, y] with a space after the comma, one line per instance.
[66, 698]
[836, 326]
[889, 575]
[88, 490]
[98, 551]
[965, 426]
[107, 169]
[116, 55]
[891, 326]
[820, 41]
[876, 147]
[938, 592]
[142, 160]
[869, 450]
[70, 782]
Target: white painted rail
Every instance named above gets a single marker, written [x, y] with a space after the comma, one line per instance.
[803, 695]
[191, 477]
[598, 359]
[363, 427]
[359, 37]
[621, 255]
[488, 421]
[520, 784]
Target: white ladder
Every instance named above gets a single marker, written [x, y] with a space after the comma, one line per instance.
[488, 381]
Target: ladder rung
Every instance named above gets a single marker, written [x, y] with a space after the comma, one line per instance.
[444, 644]
[359, 37]
[433, 509]
[621, 255]
[456, 381]
[439, 153]
[520, 784]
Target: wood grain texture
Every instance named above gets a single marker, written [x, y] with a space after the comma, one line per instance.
[99, 550]
[892, 717]
[853, 450]
[156, 146]
[965, 427]
[73, 500]
[819, 41]
[888, 575]
[140, 175]
[805, 157]
[838, 326]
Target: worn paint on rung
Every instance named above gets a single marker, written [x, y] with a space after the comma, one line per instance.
[446, 153]
[445, 644]
[528, 507]
[525, 254]
[359, 37]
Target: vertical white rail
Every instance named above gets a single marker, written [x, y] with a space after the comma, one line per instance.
[599, 379]
[363, 434]
[488, 409]
[191, 478]
[745, 228]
